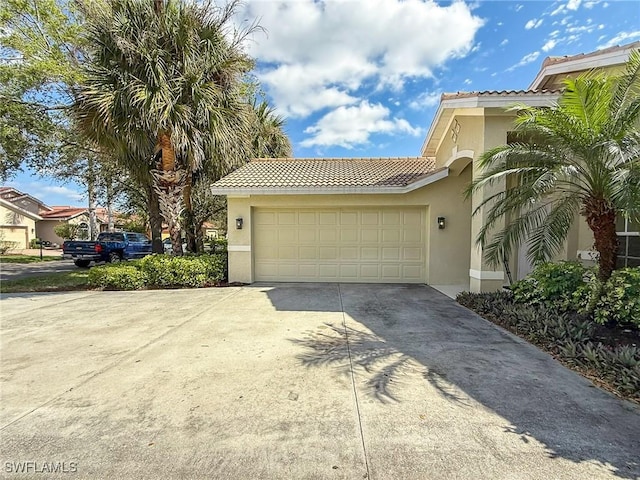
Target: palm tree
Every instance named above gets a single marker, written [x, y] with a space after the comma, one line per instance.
[269, 138]
[162, 92]
[580, 156]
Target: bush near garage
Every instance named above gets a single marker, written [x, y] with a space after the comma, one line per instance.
[161, 271]
[562, 285]
[572, 338]
[187, 271]
[118, 276]
[619, 302]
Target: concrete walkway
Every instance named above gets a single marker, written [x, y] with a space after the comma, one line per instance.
[294, 382]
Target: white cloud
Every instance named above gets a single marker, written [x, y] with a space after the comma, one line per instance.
[316, 54]
[519, 7]
[504, 42]
[621, 38]
[533, 23]
[549, 45]
[467, 81]
[529, 58]
[573, 4]
[558, 10]
[351, 126]
[426, 100]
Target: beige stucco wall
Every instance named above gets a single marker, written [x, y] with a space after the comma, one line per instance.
[16, 227]
[44, 230]
[447, 262]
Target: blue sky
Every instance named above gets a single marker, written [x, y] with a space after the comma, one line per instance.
[359, 78]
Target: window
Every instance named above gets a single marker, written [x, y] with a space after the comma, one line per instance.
[628, 243]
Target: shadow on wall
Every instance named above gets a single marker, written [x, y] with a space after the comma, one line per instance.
[394, 332]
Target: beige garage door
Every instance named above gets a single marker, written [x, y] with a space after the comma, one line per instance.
[347, 245]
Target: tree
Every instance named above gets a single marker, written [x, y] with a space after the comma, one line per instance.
[67, 231]
[578, 157]
[269, 139]
[162, 92]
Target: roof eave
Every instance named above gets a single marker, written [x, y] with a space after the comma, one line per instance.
[446, 107]
[324, 190]
[581, 63]
[22, 211]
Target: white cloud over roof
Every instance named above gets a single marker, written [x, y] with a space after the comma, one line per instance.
[352, 125]
[318, 54]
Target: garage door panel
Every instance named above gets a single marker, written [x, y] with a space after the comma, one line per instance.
[369, 235]
[328, 253]
[353, 245]
[391, 253]
[349, 253]
[328, 236]
[412, 254]
[391, 217]
[308, 253]
[287, 236]
[287, 218]
[348, 235]
[328, 218]
[348, 218]
[370, 253]
[390, 236]
[308, 236]
[307, 218]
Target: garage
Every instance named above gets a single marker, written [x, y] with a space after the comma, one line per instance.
[369, 220]
[340, 244]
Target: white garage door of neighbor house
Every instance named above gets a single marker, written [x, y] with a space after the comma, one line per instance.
[347, 245]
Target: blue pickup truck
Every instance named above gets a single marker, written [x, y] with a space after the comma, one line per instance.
[109, 247]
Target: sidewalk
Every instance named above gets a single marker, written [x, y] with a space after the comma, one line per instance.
[46, 252]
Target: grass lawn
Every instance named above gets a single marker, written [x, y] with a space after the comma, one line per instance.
[54, 282]
[27, 258]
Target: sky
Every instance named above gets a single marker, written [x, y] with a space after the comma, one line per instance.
[363, 78]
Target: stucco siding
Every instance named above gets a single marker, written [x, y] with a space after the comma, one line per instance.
[447, 259]
[16, 227]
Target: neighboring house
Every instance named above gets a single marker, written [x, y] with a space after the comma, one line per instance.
[73, 215]
[399, 219]
[17, 225]
[19, 213]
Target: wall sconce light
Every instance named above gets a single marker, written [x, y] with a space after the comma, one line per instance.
[441, 223]
[239, 222]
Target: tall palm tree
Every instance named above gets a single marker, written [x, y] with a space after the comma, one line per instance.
[269, 139]
[162, 91]
[578, 157]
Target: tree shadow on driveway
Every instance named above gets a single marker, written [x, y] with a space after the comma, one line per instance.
[398, 336]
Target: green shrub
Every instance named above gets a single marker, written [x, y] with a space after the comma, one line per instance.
[620, 299]
[118, 276]
[562, 285]
[191, 271]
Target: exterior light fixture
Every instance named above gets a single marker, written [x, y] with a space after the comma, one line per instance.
[441, 223]
[239, 222]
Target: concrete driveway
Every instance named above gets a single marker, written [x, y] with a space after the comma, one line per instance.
[293, 381]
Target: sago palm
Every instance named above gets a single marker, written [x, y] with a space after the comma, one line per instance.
[578, 157]
[163, 92]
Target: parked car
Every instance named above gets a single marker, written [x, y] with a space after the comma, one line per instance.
[109, 247]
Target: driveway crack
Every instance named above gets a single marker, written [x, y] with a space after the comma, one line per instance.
[353, 385]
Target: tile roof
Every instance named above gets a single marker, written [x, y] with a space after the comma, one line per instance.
[568, 58]
[498, 93]
[61, 213]
[328, 173]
